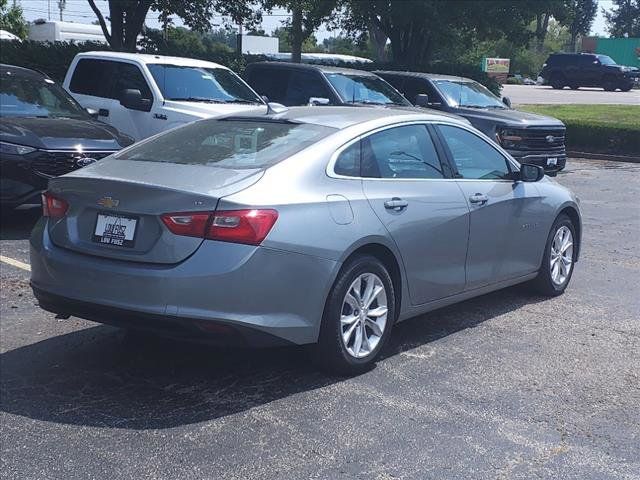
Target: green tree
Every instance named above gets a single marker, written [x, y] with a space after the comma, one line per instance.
[418, 28]
[12, 19]
[127, 16]
[306, 17]
[309, 45]
[624, 19]
[580, 16]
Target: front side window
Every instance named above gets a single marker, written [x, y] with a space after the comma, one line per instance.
[474, 157]
[365, 89]
[303, 86]
[27, 96]
[129, 77]
[467, 94]
[236, 143]
[200, 84]
[401, 152]
[606, 60]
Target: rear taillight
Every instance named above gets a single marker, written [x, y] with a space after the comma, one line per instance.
[53, 206]
[250, 227]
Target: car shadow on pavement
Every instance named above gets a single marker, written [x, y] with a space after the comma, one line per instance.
[100, 376]
[17, 224]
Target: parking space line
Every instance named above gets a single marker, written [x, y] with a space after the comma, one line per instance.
[15, 263]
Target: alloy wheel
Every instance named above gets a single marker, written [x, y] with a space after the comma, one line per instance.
[363, 317]
[561, 257]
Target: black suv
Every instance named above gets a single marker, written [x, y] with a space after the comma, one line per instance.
[44, 133]
[294, 84]
[528, 137]
[577, 70]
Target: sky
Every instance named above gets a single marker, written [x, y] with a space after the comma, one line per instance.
[79, 11]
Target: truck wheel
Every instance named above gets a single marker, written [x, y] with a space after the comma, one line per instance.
[609, 84]
[557, 81]
[626, 88]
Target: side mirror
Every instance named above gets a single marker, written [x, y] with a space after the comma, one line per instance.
[530, 173]
[421, 100]
[506, 101]
[92, 112]
[131, 98]
[313, 101]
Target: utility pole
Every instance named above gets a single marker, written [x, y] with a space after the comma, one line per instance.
[49, 9]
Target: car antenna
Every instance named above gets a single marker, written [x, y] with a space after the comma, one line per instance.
[275, 108]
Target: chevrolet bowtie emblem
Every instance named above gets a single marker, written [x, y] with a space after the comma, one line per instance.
[108, 202]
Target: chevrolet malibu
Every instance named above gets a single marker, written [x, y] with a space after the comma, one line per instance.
[313, 225]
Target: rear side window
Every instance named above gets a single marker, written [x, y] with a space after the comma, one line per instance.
[401, 152]
[348, 162]
[229, 143]
[93, 77]
[271, 82]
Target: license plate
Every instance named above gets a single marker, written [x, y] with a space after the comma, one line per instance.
[115, 230]
[552, 161]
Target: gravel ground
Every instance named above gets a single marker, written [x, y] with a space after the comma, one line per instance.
[505, 386]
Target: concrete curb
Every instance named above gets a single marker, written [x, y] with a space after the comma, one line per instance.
[604, 156]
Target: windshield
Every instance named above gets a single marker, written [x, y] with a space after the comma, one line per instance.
[30, 96]
[606, 60]
[366, 89]
[195, 84]
[229, 143]
[467, 94]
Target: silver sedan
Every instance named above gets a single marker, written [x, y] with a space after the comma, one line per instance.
[316, 225]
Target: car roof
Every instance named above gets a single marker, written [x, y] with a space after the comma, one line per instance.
[27, 72]
[311, 66]
[145, 58]
[430, 76]
[341, 117]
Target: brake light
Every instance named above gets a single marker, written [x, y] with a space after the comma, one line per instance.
[250, 227]
[190, 224]
[53, 206]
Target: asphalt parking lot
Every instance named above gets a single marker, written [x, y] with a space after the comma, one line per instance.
[508, 385]
[537, 94]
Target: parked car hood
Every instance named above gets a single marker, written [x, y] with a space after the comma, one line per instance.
[510, 117]
[207, 110]
[61, 133]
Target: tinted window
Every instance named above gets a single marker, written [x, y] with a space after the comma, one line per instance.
[304, 85]
[228, 143]
[415, 86]
[365, 89]
[93, 77]
[271, 82]
[348, 162]
[31, 96]
[129, 76]
[473, 156]
[201, 84]
[401, 152]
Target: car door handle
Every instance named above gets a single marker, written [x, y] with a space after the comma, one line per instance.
[103, 112]
[478, 198]
[396, 204]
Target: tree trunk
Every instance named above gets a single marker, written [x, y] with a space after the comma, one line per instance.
[379, 40]
[296, 35]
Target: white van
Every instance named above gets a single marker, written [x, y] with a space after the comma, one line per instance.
[142, 95]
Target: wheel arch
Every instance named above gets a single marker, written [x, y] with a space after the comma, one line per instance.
[573, 214]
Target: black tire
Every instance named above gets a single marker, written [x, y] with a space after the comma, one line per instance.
[626, 88]
[543, 283]
[609, 85]
[557, 81]
[330, 353]
[574, 87]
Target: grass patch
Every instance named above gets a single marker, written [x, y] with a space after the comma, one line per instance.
[613, 129]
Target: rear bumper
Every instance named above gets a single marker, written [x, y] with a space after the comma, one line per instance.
[222, 293]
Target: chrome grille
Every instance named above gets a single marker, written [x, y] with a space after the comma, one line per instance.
[540, 139]
[56, 163]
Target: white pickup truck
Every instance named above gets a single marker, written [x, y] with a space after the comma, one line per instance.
[142, 95]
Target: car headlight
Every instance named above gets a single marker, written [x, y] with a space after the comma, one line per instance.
[509, 138]
[13, 149]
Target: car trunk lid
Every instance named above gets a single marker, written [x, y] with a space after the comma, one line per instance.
[115, 207]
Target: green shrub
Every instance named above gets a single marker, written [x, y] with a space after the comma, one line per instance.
[514, 81]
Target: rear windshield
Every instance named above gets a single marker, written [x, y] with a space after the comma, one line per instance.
[228, 143]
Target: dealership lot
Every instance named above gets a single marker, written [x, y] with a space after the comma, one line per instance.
[536, 94]
[508, 385]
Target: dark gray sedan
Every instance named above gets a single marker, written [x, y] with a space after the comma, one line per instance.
[316, 225]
